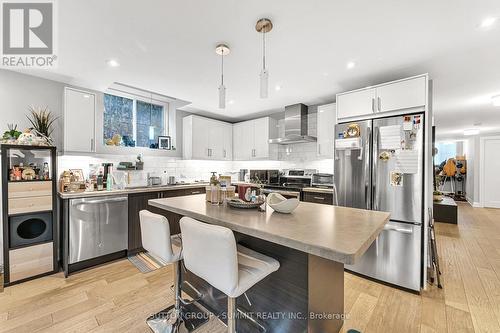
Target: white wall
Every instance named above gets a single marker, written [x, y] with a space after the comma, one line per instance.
[18, 91]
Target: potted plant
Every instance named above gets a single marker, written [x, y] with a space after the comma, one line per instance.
[42, 121]
[437, 196]
[11, 135]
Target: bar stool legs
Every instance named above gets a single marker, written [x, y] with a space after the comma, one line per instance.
[173, 319]
[231, 315]
[169, 320]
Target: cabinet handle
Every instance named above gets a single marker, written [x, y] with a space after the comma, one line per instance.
[91, 145]
[319, 148]
[319, 198]
[379, 104]
[224, 153]
[195, 192]
[373, 104]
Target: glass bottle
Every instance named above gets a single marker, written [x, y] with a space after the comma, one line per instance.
[100, 181]
[46, 171]
[223, 194]
[214, 194]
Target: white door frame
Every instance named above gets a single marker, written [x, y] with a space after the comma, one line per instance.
[482, 142]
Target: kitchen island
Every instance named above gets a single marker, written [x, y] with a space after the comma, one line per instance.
[312, 245]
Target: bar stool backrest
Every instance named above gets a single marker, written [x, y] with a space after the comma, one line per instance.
[210, 252]
[155, 235]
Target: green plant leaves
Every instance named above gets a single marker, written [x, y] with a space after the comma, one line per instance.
[42, 120]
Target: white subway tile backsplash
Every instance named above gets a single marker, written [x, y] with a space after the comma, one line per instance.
[289, 157]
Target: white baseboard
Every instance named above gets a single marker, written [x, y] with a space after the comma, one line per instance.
[474, 204]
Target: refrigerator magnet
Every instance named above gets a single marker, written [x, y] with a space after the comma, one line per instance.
[384, 156]
[407, 123]
[396, 178]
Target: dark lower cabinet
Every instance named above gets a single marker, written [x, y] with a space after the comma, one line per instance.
[136, 203]
[139, 201]
[318, 197]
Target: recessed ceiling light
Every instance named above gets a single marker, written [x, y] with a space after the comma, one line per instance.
[277, 88]
[488, 22]
[113, 63]
[351, 65]
[86, 96]
[471, 131]
[231, 102]
[495, 100]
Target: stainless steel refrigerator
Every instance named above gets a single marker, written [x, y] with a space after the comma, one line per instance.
[379, 165]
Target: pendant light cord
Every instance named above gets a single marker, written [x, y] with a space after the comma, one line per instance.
[222, 66]
[263, 49]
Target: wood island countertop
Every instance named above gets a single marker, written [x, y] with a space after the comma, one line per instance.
[336, 233]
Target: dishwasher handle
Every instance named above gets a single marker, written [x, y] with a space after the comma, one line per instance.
[101, 201]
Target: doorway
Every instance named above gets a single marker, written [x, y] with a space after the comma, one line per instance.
[489, 172]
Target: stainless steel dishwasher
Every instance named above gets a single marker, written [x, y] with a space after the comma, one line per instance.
[97, 226]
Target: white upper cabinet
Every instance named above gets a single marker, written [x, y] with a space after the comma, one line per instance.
[356, 103]
[227, 143]
[243, 137]
[79, 121]
[402, 95]
[207, 139]
[392, 96]
[251, 139]
[326, 128]
[261, 137]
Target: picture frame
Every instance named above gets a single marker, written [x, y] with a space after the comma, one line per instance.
[164, 142]
[78, 174]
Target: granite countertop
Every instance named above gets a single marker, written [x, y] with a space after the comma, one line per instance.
[75, 195]
[318, 190]
[336, 233]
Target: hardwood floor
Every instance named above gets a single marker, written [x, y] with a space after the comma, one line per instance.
[118, 298]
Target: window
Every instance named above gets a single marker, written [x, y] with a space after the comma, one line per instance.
[133, 122]
[446, 150]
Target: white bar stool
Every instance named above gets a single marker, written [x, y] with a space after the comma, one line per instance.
[211, 253]
[157, 240]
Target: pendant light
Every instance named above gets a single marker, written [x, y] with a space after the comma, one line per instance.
[263, 26]
[222, 50]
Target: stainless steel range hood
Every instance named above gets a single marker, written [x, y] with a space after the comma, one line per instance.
[295, 126]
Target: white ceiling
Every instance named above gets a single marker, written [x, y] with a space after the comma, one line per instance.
[168, 47]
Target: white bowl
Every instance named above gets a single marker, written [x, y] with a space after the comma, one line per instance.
[281, 204]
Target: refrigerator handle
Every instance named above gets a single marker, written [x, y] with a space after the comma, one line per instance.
[374, 174]
[367, 186]
[360, 157]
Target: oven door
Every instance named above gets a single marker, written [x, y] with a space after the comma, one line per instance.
[286, 194]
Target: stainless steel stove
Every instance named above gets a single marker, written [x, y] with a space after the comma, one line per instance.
[291, 182]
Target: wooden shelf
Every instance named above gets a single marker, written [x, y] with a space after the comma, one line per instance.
[24, 197]
[28, 181]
